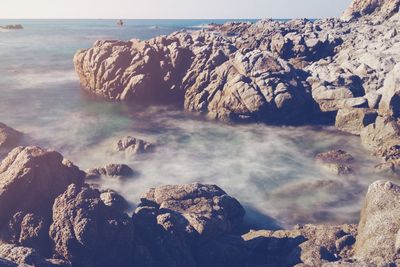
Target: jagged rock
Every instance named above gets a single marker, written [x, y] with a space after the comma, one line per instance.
[311, 245]
[86, 232]
[37, 175]
[378, 229]
[184, 218]
[9, 138]
[336, 161]
[382, 8]
[114, 200]
[23, 256]
[201, 71]
[381, 135]
[390, 103]
[110, 170]
[354, 120]
[134, 146]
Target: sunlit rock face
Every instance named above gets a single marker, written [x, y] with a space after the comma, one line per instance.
[383, 8]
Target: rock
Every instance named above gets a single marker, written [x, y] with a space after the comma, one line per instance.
[110, 170]
[337, 162]
[381, 135]
[134, 146]
[12, 27]
[114, 200]
[390, 103]
[311, 245]
[377, 239]
[383, 8]
[38, 175]
[335, 156]
[9, 138]
[176, 223]
[354, 120]
[208, 210]
[22, 256]
[86, 232]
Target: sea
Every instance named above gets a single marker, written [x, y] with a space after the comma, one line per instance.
[271, 170]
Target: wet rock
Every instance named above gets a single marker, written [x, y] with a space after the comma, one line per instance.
[36, 174]
[336, 161]
[9, 138]
[311, 245]
[110, 170]
[134, 146]
[377, 239]
[86, 232]
[114, 200]
[354, 120]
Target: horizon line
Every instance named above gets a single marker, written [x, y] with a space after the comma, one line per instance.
[274, 18]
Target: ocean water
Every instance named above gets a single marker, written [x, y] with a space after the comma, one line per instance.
[270, 170]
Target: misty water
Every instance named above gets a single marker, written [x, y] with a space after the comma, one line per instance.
[270, 170]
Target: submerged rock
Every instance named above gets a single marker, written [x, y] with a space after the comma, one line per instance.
[110, 170]
[337, 161]
[134, 146]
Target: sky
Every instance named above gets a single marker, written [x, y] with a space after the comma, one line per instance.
[171, 9]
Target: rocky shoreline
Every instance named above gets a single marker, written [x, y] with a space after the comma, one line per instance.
[338, 71]
[63, 221]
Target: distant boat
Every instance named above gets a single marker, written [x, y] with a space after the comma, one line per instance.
[120, 23]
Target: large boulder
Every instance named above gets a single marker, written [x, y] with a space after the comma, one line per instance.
[36, 174]
[202, 71]
[379, 227]
[354, 120]
[86, 232]
[176, 224]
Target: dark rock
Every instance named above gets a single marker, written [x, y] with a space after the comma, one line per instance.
[134, 146]
[110, 170]
[86, 232]
[114, 200]
[37, 175]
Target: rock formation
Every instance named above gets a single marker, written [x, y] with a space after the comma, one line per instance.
[133, 146]
[382, 8]
[9, 138]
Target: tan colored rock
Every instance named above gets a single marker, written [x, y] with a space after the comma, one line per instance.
[378, 229]
[354, 120]
[36, 174]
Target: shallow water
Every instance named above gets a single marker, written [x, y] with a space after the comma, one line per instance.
[270, 170]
